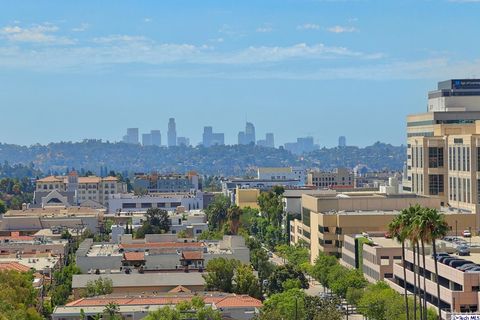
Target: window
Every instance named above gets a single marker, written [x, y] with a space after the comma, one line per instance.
[306, 216]
[435, 157]
[128, 205]
[457, 140]
[435, 184]
[146, 205]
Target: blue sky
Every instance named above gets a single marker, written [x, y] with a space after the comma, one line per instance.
[90, 69]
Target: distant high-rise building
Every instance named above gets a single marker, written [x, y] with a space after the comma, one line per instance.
[270, 140]
[211, 138]
[267, 142]
[183, 141]
[146, 139]
[342, 141]
[156, 138]
[172, 133]
[303, 145]
[247, 136]
[131, 136]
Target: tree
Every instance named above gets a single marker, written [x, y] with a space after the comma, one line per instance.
[317, 308]
[157, 222]
[182, 234]
[99, 287]
[217, 212]
[111, 311]
[246, 282]
[295, 254]
[285, 305]
[220, 272]
[398, 230]
[282, 274]
[195, 309]
[430, 226]
[322, 267]
[340, 279]
[233, 214]
[17, 296]
[3, 207]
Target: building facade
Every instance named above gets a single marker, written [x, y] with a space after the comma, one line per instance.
[341, 177]
[173, 182]
[172, 132]
[211, 138]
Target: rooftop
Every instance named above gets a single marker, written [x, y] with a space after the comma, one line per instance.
[53, 212]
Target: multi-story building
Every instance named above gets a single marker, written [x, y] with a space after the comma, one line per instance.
[172, 132]
[342, 142]
[183, 141]
[170, 201]
[131, 136]
[341, 177]
[282, 173]
[443, 154]
[146, 139]
[173, 182]
[326, 218]
[84, 191]
[303, 145]
[211, 138]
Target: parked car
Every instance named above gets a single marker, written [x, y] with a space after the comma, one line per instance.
[440, 254]
[467, 233]
[476, 269]
[458, 263]
[448, 238]
[467, 266]
[463, 250]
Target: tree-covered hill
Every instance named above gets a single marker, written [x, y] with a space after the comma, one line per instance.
[217, 160]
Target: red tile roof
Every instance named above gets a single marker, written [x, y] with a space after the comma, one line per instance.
[192, 255]
[229, 301]
[15, 235]
[134, 256]
[179, 289]
[15, 266]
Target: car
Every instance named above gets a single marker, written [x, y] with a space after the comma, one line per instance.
[467, 233]
[447, 260]
[463, 250]
[458, 263]
[388, 235]
[449, 239]
[476, 269]
[467, 266]
[440, 254]
[442, 259]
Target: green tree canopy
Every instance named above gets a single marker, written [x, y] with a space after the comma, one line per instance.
[17, 296]
[282, 274]
[220, 272]
[98, 287]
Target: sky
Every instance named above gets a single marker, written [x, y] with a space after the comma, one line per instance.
[321, 68]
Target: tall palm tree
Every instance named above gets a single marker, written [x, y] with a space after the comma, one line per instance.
[397, 231]
[432, 226]
[233, 215]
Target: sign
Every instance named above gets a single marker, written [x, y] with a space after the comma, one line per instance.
[466, 84]
[465, 317]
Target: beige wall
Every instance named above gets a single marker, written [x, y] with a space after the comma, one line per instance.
[247, 198]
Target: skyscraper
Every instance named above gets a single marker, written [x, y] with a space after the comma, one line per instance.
[172, 133]
[247, 136]
[183, 141]
[156, 137]
[146, 139]
[211, 138]
[131, 136]
[270, 142]
[342, 141]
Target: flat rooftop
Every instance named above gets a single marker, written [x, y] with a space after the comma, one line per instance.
[386, 242]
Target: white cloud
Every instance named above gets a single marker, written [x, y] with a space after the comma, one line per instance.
[147, 20]
[264, 29]
[36, 34]
[119, 38]
[308, 26]
[82, 27]
[217, 40]
[342, 29]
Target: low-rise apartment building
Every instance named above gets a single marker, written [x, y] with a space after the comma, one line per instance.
[341, 177]
[172, 182]
[282, 173]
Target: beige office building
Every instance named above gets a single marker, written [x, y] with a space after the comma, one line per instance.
[325, 219]
[444, 146]
[340, 177]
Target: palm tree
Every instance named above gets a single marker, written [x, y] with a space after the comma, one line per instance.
[397, 231]
[233, 214]
[432, 226]
[111, 310]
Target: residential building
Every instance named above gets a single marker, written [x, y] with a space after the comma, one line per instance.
[211, 138]
[230, 186]
[91, 191]
[341, 177]
[131, 136]
[170, 201]
[282, 173]
[183, 141]
[326, 218]
[303, 145]
[172, 133]
[247, 136]
[135, 307]
[171, 182]
[342, 142]
[443, 146]
[157, 252]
